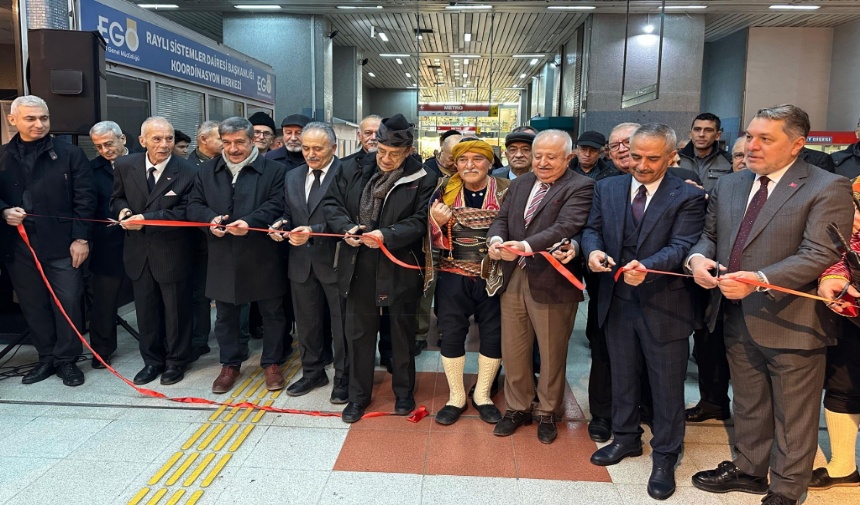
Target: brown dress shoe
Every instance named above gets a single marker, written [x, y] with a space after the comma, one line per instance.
[274, 378]
[226, 379]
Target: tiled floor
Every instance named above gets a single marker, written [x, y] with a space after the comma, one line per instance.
[105, 443]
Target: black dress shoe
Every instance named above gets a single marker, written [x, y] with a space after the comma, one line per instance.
[728, 477]
[449, 414]
[699, 413]
[389, 364]
[777, 499]
[661, 484]
[822, 480]
[172, 374]
[599, 429]
[352, 412]
[97, 365]
[340, 391]
[615, 452]
[404, 406]
[547, 432]
[38, 374]
[70, 373]
[147, 374]
[305, 385]
[197, 351]
[420, 345]
[489, 413]
[512, 420]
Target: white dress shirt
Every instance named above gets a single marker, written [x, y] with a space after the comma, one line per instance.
[309, 179]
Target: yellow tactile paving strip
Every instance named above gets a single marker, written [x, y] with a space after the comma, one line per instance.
[189, 471]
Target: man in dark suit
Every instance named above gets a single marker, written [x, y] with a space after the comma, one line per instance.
[542, 207]
[366, 138]
[290, 155]
[767, 224]
[518, 151]
[156, 185]
[107, 273]
[645, 219]
[241, 189]
[311, 267]
[42, 175]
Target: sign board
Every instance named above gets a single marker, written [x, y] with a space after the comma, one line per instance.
[458, 110]
[831, 138]
[138, 43]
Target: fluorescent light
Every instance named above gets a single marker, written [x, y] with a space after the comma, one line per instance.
[648, 28]
[522, 76]
[685, 7]
[795, 7]
[399, 61]
[408, 74]
[258, 7]
[467, 37]
[465, 62]
[514, 88]
[468, 7]
[462, 87]
[465, 55]
[465, 76]
[357, 7]
[394, 55]
[371, 74]
[158, 6]
[534, 61]
[540, 55]
[571, 7]
[383, 36]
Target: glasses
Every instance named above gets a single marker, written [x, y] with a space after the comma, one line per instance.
[737, 156]
[258, 133]
[616, 145]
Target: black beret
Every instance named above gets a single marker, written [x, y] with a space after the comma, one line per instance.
[262, 119]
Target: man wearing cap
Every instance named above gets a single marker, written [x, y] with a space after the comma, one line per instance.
[264, 131]
[461, 210]
[366, 135]
[518, 151]
[588, 162]
[386, 202]
[291, 154]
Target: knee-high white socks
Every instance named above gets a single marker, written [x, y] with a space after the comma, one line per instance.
[842, 430]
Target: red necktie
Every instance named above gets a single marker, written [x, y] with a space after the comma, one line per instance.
[750, 216]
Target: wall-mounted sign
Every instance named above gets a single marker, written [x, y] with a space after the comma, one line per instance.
[138, 43]
[831, 138]
[455, 109]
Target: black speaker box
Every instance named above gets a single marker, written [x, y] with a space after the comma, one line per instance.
[67, 70]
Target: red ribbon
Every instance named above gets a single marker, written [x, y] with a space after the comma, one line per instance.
[415, 417]
[552, 261]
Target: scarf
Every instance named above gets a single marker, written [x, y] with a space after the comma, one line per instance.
[373, 195]
[235, 168]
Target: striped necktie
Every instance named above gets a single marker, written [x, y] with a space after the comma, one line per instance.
[530, 212]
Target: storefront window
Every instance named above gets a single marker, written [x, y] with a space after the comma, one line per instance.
[490, 129]
[182, 107]
[222, 108]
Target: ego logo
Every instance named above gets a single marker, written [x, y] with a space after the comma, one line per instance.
[119, 35]
[264, 84]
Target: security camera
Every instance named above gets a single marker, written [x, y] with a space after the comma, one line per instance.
[363, 62]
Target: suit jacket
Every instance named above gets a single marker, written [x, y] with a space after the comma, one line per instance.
[672, 224]
[168, 250]
[241, 269]
[317, 255]
[562, 213]
[788, 244]
[106, 249]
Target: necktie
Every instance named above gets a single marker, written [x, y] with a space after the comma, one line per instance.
[150, 179]
[313, 195]
[530, 212]
[638, 205]
[750, 216]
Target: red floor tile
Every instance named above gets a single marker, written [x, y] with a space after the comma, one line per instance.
[565, 459]
[383, 451]
[472, 454]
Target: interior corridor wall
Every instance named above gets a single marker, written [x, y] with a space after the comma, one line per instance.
[388, 102]
[843, 108]
[789, 65]
[723, 78]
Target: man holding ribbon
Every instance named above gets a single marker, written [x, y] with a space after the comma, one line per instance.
[542, 207]
[385, 201]
[461, 210]
[766, 226]
[647, 219]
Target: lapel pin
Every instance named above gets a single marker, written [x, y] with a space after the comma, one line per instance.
[792, 185]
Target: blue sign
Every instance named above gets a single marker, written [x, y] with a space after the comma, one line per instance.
[134, 42]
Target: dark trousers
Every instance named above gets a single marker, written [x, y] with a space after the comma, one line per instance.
[777, 401]
[309, 304]
[163, 319]
[362, 320]
[842, 383]
[106, 290]
[50, 333]
[600, 376]
[709, 349]
[459, 297]
[202, 306]
[632, 348]
[233, 352]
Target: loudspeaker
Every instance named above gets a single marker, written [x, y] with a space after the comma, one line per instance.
[67, 69]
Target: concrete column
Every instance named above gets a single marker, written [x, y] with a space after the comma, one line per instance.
[680, 80]
[300, 52]
[347, 87]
